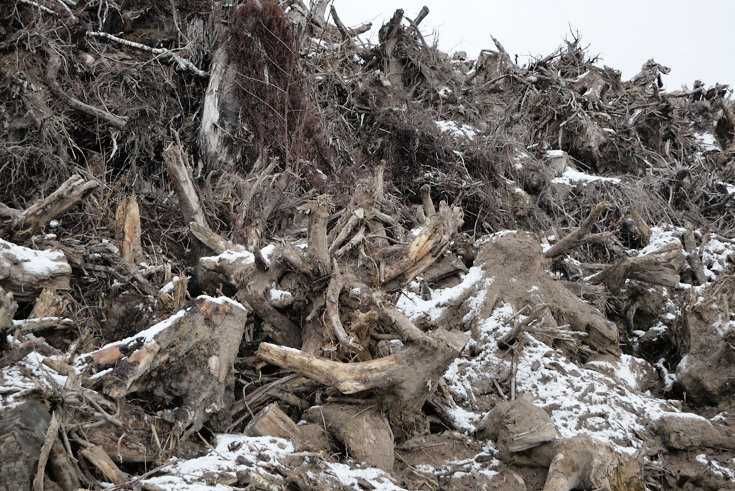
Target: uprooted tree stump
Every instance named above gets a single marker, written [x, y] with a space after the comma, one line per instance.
[515, 271]
[188, 356]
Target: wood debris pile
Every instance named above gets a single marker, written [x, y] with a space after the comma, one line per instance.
[242, 248]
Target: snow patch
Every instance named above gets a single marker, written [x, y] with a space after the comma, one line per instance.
[458, 130]
[716, 468]
[232, 453]
[415, 307]
[717, 256]
[352, 477]
[572, 177]
[579, 400]
[44, 264]
[25, 376]
[707, 142]
[661, 238]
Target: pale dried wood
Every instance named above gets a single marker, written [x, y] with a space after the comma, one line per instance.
[39, 324]
[406, 378]
[426, 201]
[364, 432]
[428, 246]
[318, 210]
[272, 421]
[8, 307]
[48, 304]
[211, 239]
[128, 230]
[179, 168]
[97, 456]
[388, 36]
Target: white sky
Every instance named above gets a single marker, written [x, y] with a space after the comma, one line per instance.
[694, 38]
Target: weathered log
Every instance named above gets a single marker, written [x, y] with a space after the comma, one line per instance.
[426, 201]
[234, 264]
[25, 271]
[211, 239]
[706, 344]
[272, 421]
[48, 304]
[70, 193]
[363, 431]
[586, 463]
[318, 211]
[39, 324]
[388, 36]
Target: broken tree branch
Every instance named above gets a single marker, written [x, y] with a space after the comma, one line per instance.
[51, 435]
[573, 238]
[166, 54]
[177, 164]
[71, 192]
[406, 377]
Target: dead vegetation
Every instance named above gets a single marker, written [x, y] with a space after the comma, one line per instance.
[240, 235]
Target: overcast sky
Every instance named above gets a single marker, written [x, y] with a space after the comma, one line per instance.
[695, 38]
